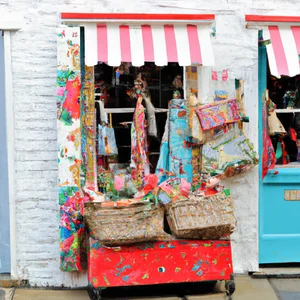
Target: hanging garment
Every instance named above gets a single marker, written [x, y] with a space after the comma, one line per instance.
[103, 115]
[162, 166]
[297, 122]
[268, 159]
[139, 159]
[151, 120]
[282, 156]
[274, 124]
[180, 157]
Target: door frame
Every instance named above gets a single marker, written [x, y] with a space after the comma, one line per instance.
[10, 22]
[10, 132]
[262, 86]
[288, 174]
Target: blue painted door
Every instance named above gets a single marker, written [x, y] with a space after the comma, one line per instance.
[4, 202]
[279, 199]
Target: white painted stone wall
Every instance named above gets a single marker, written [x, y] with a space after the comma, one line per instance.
[34, 75]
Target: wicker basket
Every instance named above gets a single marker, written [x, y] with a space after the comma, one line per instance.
[116, 226]
[202, 217]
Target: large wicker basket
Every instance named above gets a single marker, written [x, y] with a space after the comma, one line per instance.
[116, 226]
[202, 217]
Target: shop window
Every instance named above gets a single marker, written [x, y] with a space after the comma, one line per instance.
[114, 85]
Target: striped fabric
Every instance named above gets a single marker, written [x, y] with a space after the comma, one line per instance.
[113, 44]
[284, 49]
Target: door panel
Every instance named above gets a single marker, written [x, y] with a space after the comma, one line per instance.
[280, 215]
[4, 202]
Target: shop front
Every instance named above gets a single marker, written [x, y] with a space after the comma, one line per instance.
[279, 49]
[143, 147]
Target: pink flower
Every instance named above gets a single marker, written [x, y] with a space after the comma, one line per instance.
[60, 91]
[119, 182]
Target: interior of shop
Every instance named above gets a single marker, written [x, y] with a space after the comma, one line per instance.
[118, 89]
[284, 131]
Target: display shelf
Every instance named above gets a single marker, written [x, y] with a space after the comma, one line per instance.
[294, 164]
[287, 110]
[130, 110]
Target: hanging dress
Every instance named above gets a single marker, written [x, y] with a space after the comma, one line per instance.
[139, 160]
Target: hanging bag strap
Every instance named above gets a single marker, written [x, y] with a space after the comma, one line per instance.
[103, 115]
[110, 121]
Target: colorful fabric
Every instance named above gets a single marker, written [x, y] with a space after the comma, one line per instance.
[88, 131]
[162, 165]
[139, 159]
[228, 153]
[173, 189]
[218, 114]
[180, 157]
[268, 159]
[282, 157]
[72, 231]
[70, 161]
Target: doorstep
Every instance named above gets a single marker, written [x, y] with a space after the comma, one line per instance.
[277, 273]
[286, 289]
[6, 281]
[218, 296]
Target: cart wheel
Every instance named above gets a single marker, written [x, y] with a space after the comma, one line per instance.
[230, 288]
[94, 294]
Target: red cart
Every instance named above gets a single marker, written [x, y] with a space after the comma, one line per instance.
[152, 263]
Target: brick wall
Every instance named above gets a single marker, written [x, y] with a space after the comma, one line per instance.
[34, 74]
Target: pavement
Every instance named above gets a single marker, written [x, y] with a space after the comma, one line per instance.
[247, 288]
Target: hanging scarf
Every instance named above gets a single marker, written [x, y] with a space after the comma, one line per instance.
[139, 159]
[268, 158]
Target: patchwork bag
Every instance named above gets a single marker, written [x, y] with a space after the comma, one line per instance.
[228, 153]
[217, 114]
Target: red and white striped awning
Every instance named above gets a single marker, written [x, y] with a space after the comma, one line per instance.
[283, 50]
[283, 32]
[182, 43]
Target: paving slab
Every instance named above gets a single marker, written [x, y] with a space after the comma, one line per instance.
[35, 294]
[6, 294]
[247, 288]
[147, 298]
[142, 298]
[287, 289]
[216, 296]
